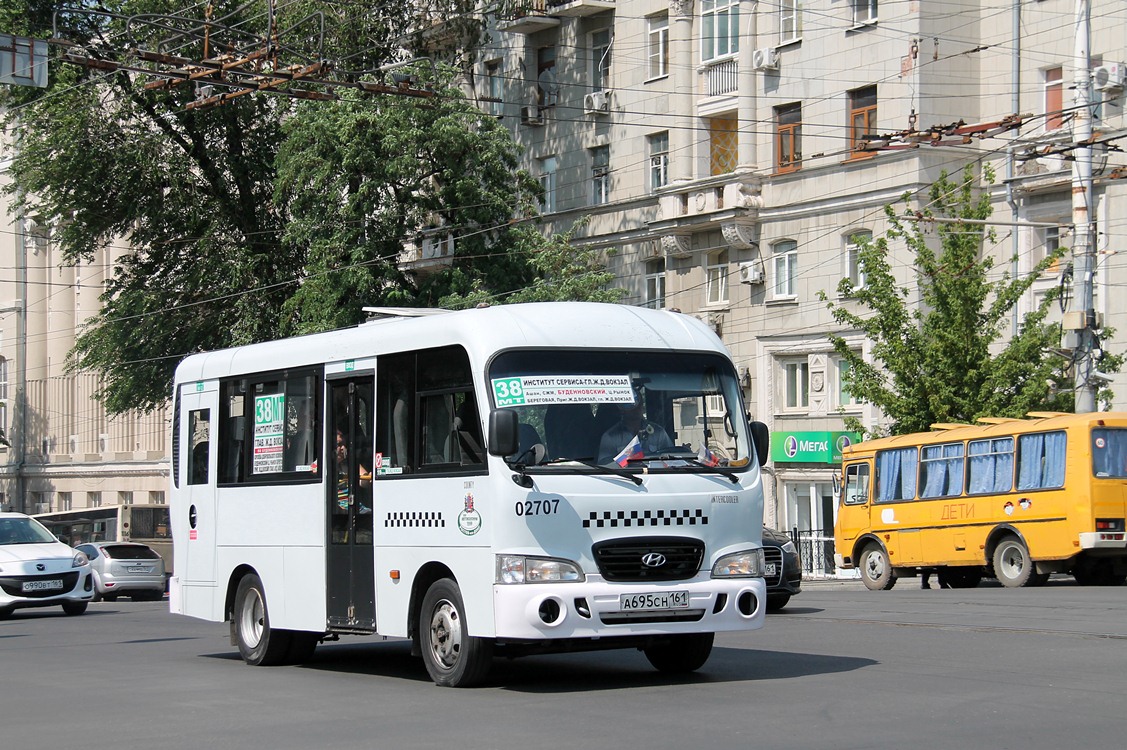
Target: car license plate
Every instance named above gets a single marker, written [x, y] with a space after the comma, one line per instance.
[137, 569]
[42, 585]
[769, 569]
[646, 602]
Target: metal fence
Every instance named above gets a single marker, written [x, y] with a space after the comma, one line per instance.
[816, 549]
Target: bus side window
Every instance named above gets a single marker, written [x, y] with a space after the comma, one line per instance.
[198, 422]
[856, 484]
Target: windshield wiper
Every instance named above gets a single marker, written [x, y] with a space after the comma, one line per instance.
[695, 462]
[608, 468]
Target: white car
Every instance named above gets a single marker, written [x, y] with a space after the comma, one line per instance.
[37, 570]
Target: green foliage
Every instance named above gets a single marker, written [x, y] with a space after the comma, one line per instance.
[947, 355]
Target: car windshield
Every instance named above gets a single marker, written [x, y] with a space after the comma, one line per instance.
[129, 552]
[24, 531]
[662, 410]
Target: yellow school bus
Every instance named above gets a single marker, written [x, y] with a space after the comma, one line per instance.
[1014, 499]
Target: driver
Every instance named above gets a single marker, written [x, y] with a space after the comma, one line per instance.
[652, 436]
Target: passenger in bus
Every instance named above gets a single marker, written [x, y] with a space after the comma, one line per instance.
[631, 423]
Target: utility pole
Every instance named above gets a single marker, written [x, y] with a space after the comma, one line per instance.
[1081, 319]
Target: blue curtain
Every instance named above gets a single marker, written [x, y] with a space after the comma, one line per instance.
[934, 472]
[954, 460]
[908, 474]
[1042, 459]
[1004, 465]
[888, 476]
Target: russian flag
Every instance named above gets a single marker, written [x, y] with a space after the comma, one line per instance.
[632, 451]
[707, 457]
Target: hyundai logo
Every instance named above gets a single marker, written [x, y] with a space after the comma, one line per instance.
[653, 559]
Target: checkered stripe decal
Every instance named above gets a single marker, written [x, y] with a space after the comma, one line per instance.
[626, 518]
[414, 519]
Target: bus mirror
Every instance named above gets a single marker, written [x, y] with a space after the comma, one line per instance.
[761, 438]
[503, 432]
[837, 483]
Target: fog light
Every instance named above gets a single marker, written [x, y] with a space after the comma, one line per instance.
[747, 603]
[550, 611]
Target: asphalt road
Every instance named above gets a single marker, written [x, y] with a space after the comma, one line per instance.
[840, 668]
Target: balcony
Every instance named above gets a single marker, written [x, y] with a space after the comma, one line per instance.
[728, 202]
[720, 78]
[531, 16]
[433, 252]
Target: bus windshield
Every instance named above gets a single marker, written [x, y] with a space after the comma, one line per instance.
[660, 410]
[1109, 453]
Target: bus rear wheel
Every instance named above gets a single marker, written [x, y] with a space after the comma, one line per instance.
[259, 644]
[1012, 566]
[452, 656]
[876, 569]
[681, 654]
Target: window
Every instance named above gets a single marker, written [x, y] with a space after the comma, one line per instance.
[1040, 461]
[655, 284]
[1054, 98]
[845, 396]
[862, 118]
[659, 160]
[797, 379]
[788, 140]
[1046, 241]
[547, 87]
[1109, 453]
[268, 428]
[198, 426]
[856, 484]
[94, 499]
[431, 421]
[786, 268]
[548, 167]
[723, 146]
[716, 278]
[65, 501]
[864, 11]
[941, 470]
[790, 20]
[494, 89]
[896, 475]
[3, 401]
[720, 28]
[853, 244]
[991, 466]
[658, 45]
[600, 59]
[600, 175]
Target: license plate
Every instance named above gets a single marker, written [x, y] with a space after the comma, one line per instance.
[646, 602]
[769, 569]
[42, 585]
[137, 569]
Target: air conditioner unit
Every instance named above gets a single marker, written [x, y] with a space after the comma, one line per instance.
[765, 58]
[751, 273]
[531, 116]
[596, 103]
[1108, 77]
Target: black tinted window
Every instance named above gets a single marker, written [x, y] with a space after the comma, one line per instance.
[130, 552]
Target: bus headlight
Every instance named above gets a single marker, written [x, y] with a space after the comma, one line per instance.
[523, 569]
[79, 560]
[746, 564]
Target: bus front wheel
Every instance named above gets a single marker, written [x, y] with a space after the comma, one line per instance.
[1012, 566]
[452, 656]
[876, 569]
[259, 644]
[681, 654]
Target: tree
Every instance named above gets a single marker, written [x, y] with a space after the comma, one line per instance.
[258, 218]
[948, 357]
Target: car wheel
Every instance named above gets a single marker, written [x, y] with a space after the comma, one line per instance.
[876, 569]
[453, 658]
[775, 602]
[1012, 566]
[259, 644]
[681, 654]
[74, 608]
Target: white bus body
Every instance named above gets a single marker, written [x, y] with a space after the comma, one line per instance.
[425, 533]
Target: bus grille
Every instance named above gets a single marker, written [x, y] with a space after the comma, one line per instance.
[774, 555]
[622, 559]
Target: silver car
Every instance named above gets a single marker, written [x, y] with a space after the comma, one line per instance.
[125, 569]
[37, 570]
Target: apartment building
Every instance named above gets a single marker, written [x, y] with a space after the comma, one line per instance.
[716, 147]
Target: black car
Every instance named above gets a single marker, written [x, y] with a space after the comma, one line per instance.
[783, 568]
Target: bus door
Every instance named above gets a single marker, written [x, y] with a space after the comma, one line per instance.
[853, 514]
[199, 409]
[350, 565]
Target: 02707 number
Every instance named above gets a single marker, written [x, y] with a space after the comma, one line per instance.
[538, 507]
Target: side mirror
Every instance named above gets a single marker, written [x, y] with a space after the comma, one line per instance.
[504, 435]
[761, 438]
